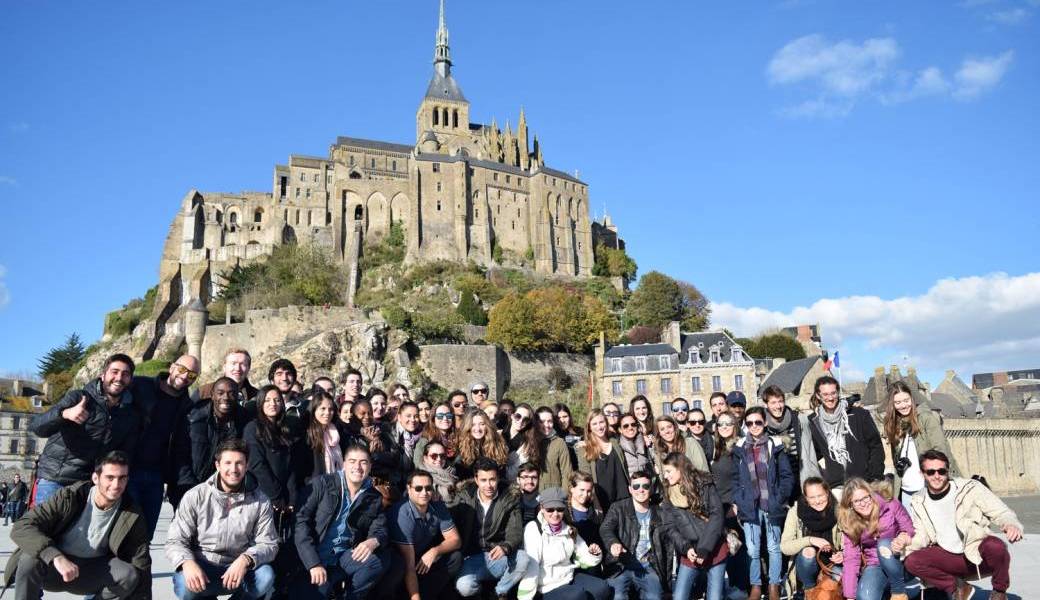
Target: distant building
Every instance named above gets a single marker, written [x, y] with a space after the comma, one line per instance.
[797, 378]
[687, 365]
[19, 447]
[981, 381]
[808, 336]
[954, 399]
[875, 395]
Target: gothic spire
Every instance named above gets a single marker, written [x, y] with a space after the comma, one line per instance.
[442, 53]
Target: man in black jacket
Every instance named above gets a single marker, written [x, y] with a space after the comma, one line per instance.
[491, 529]
[16, 497]
[341, 531]
[845, 437]
[164, 401]
[85, 425]
[637, 553]
[197, 437]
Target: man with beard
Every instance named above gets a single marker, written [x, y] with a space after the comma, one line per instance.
[85, 425]
[680, 412]
[426, 538]
[223, 535]
[786, 424]
[282, 375]
[237, 363]
[164, 401]
[845, 437]
[196, 439]
[88, 538]
[341, 531]
[527, 491]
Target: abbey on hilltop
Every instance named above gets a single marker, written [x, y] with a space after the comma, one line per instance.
[462, 192]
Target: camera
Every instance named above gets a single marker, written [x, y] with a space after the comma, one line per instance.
[902, 465]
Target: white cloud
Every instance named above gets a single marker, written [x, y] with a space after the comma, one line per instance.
[5, 296]
[7, 179]
[1011, 16]
[929, 81]
[970, 324]
[842, 68]
[978, 75]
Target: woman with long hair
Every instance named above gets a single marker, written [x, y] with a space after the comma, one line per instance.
[910, 434]
[524, 441]
[445, 483]
[697, 424]
[875, 530]
[671, 439]
[640, 407]
[556, 467]
[692, 511]
[424, 406]
[479, 439]
[568, 429]
[273, 451]
[440, 429]
[377, 401]
[585, 513]
[638, 455]
[325, 436]
[726, 435]
[600, 457]
[612, 412]
[811, 530]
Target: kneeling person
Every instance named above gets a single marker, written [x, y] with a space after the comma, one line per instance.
[88, 538]
[492, 531]
[426, 538]
[223, 535]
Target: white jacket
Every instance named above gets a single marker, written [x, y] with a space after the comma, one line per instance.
[553, 558]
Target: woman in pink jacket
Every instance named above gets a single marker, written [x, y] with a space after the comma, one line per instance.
[875, 530]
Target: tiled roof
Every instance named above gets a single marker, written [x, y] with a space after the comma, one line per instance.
[444, 88]
[703, 341]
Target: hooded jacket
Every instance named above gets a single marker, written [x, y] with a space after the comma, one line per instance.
[554, 557]
[71, 448]
[892, 520]
[218, 526]
[197, 438]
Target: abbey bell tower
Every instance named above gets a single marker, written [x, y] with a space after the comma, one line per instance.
[444, 111]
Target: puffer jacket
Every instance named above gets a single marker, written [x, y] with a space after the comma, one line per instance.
[503, 526]
[778, 473]
[219, 526]
[72, 449]
[976, 509]
[930, 437]
[554, 557]
[892, 520]
[365, 519]
[621, 526]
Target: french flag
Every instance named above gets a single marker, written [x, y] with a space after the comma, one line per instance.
[832, 363]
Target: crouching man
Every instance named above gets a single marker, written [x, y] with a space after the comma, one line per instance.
[223, 535]
[88, 538]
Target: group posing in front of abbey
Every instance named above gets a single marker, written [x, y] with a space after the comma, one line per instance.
[323, 492]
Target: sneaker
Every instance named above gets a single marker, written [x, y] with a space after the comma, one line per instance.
[964, 591]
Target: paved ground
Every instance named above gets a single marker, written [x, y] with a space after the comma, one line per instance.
[1025, 556]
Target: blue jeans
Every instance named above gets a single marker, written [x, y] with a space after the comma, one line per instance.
[753, 541]
[477, 568]
[642, 576]
[45, 488]
[688, 577]
[256, 583]
[146, 489]
[360, 576]
[13, 511]
[808, 570]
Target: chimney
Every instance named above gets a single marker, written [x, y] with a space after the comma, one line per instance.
[895, 374]
[671, 335]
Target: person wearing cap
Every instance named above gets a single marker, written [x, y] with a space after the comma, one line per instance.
[480, 393]
[556, 551]
[737, 403]
[637, 552]
[845, 437]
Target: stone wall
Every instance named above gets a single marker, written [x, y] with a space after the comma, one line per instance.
[531, 368]
[1005, 451]
[457, 366]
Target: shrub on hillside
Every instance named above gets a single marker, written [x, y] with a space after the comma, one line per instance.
[292, 274]
[550, 318]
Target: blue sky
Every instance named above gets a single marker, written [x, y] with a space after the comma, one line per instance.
[870, 165]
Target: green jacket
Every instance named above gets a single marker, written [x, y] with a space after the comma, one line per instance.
[38, 531]
[931, 437]
[556, 466]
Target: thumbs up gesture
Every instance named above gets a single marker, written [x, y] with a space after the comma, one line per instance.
[77, 414]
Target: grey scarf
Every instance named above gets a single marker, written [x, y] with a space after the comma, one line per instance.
[782, 425]
[636, 458]
[445, 482]
[835, 427]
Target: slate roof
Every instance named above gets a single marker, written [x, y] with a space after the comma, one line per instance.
[789, 376]
[709, 339]
[374, 144]
[639, 350]
[561, 175]
[444, 88]
[949, 406]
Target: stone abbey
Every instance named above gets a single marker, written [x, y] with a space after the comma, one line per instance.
[462, 192]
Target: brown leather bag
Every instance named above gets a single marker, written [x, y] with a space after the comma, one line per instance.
[826, 587]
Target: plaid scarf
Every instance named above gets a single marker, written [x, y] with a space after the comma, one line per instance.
[757, 457]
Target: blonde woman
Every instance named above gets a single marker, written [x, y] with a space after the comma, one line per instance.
[600, 456]
[479, 438]
[875, 530]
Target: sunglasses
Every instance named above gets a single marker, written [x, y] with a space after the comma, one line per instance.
[422, 488]
[640, 486]
[725, 424]
[681, 409]
[553, 509]
[436, 455]
[755, 423]
[458, 404]
[181, 370]
[696, 421]
[518, 417]
[611, 414]
[442, 416]
[627, 425]
[942, 472]
[479, 391]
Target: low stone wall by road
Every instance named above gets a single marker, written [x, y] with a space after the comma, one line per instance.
[1005, 451]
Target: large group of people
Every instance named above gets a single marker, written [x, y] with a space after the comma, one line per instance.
[317, 492]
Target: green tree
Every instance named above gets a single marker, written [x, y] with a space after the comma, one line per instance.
[696, 311]
[61, 358]
[469, 310]
[777, 345]
[613, 262]
[657, 300]
[511, 323]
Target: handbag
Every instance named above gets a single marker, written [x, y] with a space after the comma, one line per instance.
[826, 587]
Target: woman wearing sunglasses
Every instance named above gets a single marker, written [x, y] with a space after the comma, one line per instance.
[726, 435]
[692, 513]
[445, 483]
[524, 441]
[875, 530]
[556, 553]
[697, 426]
[612, 412]
[440, 429]
[763, 483]
[638, 456]
[601, 457]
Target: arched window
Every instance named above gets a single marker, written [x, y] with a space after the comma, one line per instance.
[436, 116]
[455, 118]
[233, 218]
[258, 216]
[358, 213]
[444, 117]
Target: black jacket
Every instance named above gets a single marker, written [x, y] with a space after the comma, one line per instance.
[366, 518]
[502, 526]
[18, 492]
[197, 438]
[621, 526]
[866, 453]
[277, 469]
[147, 392]
[686, 531]
[72, 449]
[792, 437]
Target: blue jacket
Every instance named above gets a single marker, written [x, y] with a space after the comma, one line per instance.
[778, 474]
